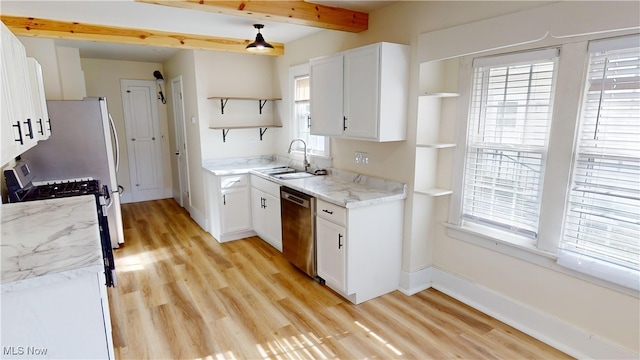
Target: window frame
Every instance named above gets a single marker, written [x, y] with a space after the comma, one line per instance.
[479, 70]
[570, 88]
[296, 72]
[571, 259]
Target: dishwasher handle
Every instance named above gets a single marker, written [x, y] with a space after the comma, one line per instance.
[294, 199]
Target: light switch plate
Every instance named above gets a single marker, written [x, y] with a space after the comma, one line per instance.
[361, 157]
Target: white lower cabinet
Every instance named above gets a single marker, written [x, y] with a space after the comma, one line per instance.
[331, 241]
[359, 250]
[68, 319]
[235, 203]
[228, 206]
[265, 211]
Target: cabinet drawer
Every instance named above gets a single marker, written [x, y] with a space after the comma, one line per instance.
[267, 186]
[334, 213]
[232, 181]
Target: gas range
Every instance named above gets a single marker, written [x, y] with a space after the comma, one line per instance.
[21, 188]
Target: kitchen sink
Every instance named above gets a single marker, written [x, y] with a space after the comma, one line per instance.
[294, 175]
[279, 170]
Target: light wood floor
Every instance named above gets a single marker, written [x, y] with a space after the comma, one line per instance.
[183, 295]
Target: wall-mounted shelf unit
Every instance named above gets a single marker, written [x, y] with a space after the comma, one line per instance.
[243, 114]
[431, 110]
[225, 99]
[225, 129]
[436, 146]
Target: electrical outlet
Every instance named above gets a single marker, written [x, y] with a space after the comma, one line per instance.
[361, 158]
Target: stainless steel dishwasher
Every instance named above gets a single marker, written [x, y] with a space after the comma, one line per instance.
[298, 229]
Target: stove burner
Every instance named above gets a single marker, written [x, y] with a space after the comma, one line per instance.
[65, 189]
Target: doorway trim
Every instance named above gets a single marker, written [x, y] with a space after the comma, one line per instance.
[182, 148]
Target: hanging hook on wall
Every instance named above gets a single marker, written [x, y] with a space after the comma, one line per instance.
[160, 80]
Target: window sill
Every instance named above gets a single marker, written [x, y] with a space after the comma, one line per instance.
[517, 246]
[524, 249]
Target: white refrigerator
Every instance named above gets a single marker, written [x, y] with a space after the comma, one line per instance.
[83, 144]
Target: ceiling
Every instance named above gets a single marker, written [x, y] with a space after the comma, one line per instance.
[132, 14]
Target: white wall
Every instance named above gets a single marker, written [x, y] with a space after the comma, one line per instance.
[62, 74]
[183, 64]
[590, 310]
[103, 80]
[240, 75]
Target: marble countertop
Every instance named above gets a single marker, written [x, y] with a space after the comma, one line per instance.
[339, 187]
[48, 241]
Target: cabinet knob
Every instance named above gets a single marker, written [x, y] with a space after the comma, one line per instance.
[340, 241]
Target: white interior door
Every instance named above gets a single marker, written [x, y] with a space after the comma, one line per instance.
[143, 139]
[182, 195]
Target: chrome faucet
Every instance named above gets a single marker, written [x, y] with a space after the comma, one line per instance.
[305, 163]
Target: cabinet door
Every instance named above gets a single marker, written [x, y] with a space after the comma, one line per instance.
[23, 101]
[326, 96]
[40, 121]
[10, 147]
[64, 320]
[258, 213]
[361, 92]
[274, 222]
[235, 216]
[331, 254]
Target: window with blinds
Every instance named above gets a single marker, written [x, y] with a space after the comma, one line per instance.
[602, 224]
[315, 144]
[507, 136]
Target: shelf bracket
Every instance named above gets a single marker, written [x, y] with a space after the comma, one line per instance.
[262, 103]
[262, 132]
[223, 103]
[224, 134]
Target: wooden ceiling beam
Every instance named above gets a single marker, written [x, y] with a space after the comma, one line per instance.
[44, 28]
[293, 12]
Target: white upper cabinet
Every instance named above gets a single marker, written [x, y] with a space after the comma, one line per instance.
[21, 106]
[327, 96]
[41, 123]
[361, 93]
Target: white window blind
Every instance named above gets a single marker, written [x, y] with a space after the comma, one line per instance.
[315, 144]
[601, 234]
[509, 120]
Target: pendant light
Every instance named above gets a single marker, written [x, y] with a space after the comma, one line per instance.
[259, 45]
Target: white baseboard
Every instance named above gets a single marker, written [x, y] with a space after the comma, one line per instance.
[413, 283]
[198, 217]
[555, 332]
[168, 193]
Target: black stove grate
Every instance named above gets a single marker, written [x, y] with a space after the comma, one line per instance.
[65, 189]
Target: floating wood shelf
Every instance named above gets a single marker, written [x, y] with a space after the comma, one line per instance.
[224, 99]
[436, 146]
[440, 95]
[225, 129]
[434, 192]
